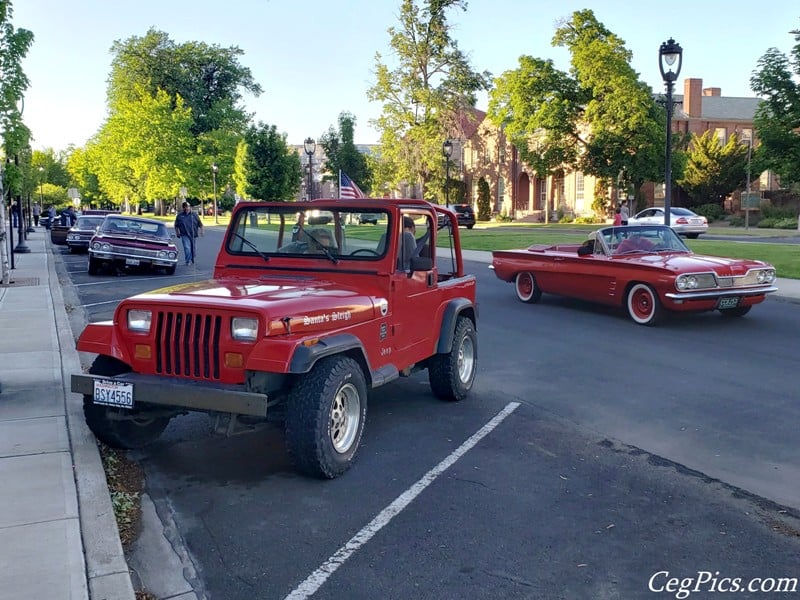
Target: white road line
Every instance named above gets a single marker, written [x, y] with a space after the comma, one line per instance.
[314, 581]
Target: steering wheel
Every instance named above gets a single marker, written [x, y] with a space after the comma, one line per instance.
[365, 250]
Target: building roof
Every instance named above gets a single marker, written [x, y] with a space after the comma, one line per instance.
[721, 108]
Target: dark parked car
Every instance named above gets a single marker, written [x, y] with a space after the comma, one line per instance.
[132, 243]
[466, 215]
[80, 234]
[365, 218]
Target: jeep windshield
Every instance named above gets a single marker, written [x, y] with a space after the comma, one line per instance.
[331, 234]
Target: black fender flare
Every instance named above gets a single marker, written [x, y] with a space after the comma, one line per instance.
[454, 309]
[305, 357]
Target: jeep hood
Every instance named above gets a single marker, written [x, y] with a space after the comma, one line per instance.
[286, 305]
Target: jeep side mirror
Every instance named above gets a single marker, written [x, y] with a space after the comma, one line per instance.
[421, 263]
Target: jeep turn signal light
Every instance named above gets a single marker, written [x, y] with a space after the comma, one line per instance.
[234, 360]
[143, 352]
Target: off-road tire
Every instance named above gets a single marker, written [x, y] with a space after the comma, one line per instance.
[739, 311]
[325, 416]
[643, 304]
[526, 288]
[451, 375]
[135, 432]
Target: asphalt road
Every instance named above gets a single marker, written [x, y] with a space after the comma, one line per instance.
[617, 453]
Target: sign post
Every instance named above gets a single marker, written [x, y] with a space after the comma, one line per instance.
[750, 200]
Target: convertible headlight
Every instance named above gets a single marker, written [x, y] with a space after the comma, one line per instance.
[765, 276]
[139, 320]
[244, 329]
[686, 282]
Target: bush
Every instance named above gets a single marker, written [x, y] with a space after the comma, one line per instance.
[712, 212]
[736, 221]
[565, 219]
[768, 223]
[777, 213]
[786, 223]
[589, 220]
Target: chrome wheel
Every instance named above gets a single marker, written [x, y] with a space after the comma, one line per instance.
[345, 417]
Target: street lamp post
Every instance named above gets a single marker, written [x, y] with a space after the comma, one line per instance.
[309, 145]
[447, 150]
[670, 57]
[214, 169]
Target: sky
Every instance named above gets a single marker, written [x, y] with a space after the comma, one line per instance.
[316, 58]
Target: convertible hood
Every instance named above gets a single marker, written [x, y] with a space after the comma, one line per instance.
[689, 263]
[285, 305]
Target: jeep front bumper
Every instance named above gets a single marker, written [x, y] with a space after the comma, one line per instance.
[185, 394]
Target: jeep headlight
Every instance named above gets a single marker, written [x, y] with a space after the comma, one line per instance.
[139, 320]
[244, 329]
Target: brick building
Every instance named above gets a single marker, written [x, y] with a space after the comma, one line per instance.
[516, 190]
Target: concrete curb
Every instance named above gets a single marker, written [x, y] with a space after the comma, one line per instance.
[106, 568]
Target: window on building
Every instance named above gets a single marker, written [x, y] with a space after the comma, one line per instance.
[501, 194]
[721, 134]
[579, 186]
[486, 156]
[542, 183]
[746, 136]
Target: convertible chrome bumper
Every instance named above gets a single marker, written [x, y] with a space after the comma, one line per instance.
[728, 292]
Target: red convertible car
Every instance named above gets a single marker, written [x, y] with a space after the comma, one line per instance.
[645, 269]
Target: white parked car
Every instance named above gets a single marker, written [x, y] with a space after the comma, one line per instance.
[682, 220]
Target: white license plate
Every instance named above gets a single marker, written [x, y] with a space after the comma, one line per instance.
[731, 302]
[113, 393]
[132, 261]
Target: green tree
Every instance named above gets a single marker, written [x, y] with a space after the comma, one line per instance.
[14, 46]
[85, 179]
[144, 149]
[209, 79]
[174, 111]
[342, 154]
[484, 205]
[424, 94]
[273, 169]
[777, 119]
[599, 118]
[712, 170]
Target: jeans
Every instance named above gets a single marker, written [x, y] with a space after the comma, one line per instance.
[188, 247]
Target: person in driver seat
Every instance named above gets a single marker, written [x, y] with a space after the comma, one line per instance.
[319, 240]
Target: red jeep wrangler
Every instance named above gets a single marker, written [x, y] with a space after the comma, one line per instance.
[303, 316]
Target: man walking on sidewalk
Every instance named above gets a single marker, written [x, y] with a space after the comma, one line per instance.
[187, 227]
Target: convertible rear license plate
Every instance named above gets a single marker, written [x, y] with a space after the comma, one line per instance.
[730, 302]
[132, 261]
[113, 393]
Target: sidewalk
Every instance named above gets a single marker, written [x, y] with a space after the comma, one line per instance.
[58, 536]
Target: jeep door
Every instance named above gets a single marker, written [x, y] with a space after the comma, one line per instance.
[414, 294]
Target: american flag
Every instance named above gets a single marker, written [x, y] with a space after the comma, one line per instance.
[348, 187]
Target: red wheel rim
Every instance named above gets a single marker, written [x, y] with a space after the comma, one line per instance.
[525, 285]
[642, 304]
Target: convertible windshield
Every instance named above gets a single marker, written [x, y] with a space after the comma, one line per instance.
[635, 239]
[331, 234]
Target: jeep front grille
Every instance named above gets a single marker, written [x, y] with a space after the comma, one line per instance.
[187, 345]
